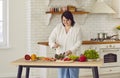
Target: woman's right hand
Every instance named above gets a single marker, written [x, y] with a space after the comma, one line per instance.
[56, 45]
[68, 52]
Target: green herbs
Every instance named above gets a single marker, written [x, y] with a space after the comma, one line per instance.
[73, 57]
[60, 56]
[91, 54]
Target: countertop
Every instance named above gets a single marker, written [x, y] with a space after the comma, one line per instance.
[21, 61]
[88, 42]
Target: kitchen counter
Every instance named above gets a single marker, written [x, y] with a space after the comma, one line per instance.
[88, 42]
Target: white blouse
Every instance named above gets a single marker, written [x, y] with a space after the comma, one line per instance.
[68, 41]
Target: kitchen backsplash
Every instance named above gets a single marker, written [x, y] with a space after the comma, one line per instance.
[91, 24]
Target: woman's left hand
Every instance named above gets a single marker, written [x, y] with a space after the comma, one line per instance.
[68, 52]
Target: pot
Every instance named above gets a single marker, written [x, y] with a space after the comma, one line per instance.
[102, 35]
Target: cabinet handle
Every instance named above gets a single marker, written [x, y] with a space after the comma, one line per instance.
[115, 50]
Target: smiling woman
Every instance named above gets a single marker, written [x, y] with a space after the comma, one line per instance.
[3, 23]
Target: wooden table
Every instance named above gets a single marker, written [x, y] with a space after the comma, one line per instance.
[45, 64]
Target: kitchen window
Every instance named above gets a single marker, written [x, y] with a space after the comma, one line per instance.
[3, 23]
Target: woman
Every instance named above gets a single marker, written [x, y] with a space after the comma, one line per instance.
[66, 37]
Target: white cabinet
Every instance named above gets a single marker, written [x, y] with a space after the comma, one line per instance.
[109, 70]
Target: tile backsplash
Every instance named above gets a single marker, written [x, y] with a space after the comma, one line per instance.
[91, 24]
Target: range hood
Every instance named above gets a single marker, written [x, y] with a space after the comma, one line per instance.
[101, 7]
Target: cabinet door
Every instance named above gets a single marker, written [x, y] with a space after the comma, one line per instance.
[109, 70]
[85, 72]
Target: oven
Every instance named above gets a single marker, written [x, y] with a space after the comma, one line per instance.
[111, 56]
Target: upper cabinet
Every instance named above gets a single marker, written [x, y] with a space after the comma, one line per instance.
[116, 7]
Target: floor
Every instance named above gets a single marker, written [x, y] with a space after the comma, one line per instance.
[101, 76]
[116, 75]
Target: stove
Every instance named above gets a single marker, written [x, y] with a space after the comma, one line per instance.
[104, 37]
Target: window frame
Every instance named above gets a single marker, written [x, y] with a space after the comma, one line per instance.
[5, 43]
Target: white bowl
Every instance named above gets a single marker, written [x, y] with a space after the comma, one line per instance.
[93, 59]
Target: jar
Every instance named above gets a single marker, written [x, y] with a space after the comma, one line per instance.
[64, 8]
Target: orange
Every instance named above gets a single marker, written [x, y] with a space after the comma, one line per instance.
[33, 57]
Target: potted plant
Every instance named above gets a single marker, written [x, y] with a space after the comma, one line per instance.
[91, 54]
[118, 31]
[118, 27]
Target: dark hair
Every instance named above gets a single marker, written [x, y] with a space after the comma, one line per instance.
[68, 15]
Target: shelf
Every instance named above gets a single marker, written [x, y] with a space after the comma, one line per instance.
[76, 12]
[88, 42]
